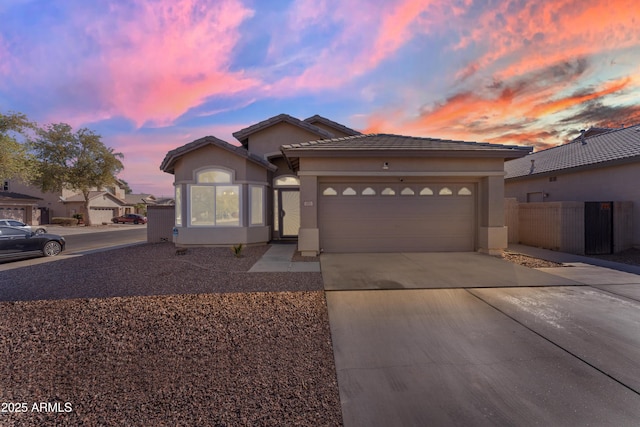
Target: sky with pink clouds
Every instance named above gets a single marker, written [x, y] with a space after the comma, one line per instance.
[152, 75]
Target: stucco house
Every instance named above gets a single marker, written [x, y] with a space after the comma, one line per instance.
[602, 166]
[333, 189]
[20, 207]
[104, 203]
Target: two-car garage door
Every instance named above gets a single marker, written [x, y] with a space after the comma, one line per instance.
[384, 217]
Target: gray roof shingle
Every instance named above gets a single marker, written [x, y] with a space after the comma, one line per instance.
[615, 145]
[243, 134]
[17, 196]
[399, 143]
[168, 163]
[342, 128]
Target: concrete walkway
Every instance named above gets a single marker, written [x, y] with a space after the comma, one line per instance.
[278, 259]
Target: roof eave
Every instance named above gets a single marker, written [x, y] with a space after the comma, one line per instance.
[346, 152]
[609, 163]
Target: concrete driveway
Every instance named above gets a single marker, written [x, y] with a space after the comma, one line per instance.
[428, 271]
[538, 352]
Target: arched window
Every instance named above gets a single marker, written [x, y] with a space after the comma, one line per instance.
[287, 181]
[445, 191]
[388, 192]
[368, 192]
[349, 192]
[213, 176]
[426, 191]
[329, 191]
[406, 191]
[464, 191]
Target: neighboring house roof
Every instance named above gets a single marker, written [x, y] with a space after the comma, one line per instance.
[614, 146]
[243, 135]
[330, 123]
[165, 202]
[399, 145]
[93, 195]
[133, 199]
[592, 131]
[9, 195]
[172, 156]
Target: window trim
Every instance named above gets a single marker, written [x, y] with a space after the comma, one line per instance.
[252, 208]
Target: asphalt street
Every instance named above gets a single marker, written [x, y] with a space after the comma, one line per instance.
[85, 240]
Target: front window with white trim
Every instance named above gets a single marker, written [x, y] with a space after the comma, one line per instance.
[214, 200]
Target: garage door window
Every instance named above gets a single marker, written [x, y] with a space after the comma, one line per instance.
[388, 192]
[368, 192]
[329, 191]
[464, 191]
[349, 192]
[426, 191]
[445, 191]
[406, 191]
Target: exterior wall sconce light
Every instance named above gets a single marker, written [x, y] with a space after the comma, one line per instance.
[385, 165]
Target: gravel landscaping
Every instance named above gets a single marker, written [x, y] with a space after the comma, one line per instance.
[189, 339]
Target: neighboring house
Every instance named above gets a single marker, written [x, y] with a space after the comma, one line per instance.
[19, 206]
[104, 203]
[336, 190]
[604, 167]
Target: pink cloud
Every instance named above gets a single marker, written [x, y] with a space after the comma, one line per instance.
[162, 58]
[540, 34]
[362, 44]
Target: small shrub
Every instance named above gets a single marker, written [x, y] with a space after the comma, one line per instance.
[237, 250]
[64, 221]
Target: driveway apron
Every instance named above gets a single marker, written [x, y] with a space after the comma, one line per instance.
[428, 271]
[531, 354]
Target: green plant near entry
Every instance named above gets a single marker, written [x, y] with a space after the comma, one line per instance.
[237, 250]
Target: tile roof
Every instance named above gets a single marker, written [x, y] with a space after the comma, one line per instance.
[92, 195]
[399, 143]
[17, 196]
[133, 198]
[168, 163]
[330, 123]
[243, 134]
[604, 148]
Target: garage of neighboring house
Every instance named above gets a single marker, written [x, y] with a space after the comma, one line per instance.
[394, 193]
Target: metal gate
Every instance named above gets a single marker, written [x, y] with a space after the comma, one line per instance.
[598, 228]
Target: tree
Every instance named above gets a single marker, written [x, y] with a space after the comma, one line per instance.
[126, 187]
[77, 161]
[15, 159]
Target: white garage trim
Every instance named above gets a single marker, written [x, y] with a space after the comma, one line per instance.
[397, 217]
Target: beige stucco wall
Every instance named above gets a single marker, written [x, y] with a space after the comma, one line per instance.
[269, 140]
[246, 172]
[49, 200]
[212, 156]
[616, 183]
[487, 172]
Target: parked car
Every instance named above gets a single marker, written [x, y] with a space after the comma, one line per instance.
[20, 224]
[19, 243]
[132, 218]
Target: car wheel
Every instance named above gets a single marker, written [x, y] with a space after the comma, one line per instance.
[41, 231]
[52, 248]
